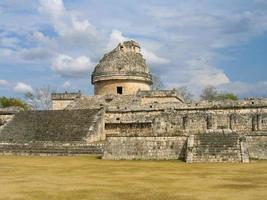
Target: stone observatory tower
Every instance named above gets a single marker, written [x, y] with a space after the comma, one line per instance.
[122, 71]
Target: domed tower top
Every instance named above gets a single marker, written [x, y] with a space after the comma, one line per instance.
[122, 71]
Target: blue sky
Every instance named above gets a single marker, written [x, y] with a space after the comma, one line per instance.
[191, 43]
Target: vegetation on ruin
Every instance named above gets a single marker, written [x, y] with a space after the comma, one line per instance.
[211, 93]
[184, 92]
[12, 102]
[89, 177]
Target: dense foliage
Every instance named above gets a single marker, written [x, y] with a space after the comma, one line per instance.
[12, 102]
[211, 93]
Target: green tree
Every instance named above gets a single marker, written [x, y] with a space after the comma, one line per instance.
[211, 93]
[13, 102]
[224, 96]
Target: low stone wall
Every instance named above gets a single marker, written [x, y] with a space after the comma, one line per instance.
[257, 146]
[145, 148]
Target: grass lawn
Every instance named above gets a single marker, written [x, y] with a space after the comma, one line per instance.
[87, 177]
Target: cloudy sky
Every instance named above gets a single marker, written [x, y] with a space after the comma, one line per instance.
[191, 43]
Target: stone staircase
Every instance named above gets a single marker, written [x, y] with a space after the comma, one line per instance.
[62, 132]
[40, 148]
[215, 147]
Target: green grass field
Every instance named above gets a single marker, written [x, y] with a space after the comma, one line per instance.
[87, 177]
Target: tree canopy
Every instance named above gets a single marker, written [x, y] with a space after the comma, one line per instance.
[211, 93]
[13, 102]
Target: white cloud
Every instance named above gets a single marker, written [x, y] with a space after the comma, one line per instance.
[5, 52]
[183, 36]
[153, 58]
[246, 89]
[10, 42]
[161, 12]
[22, 88]
[204, 73]
[66, 84]
[42, 48]
[68, 66]
[67, 23]
[3, 82]
[38, 53]
[117, 37]
[195, 34]
[42, 39]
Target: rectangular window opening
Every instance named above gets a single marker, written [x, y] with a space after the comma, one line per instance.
[119, 90]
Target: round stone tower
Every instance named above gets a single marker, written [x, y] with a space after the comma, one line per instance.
[122, 71]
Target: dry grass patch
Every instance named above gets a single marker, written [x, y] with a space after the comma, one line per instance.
[88, 177]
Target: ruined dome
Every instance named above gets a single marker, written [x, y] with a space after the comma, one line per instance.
[123, 62]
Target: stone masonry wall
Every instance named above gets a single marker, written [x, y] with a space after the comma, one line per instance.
[137, 132]
[96, 131]
[61, 100]
[257, 146]
[145, 148]
[128, 87]
[170, 122]
[61, 104]
[129, 129]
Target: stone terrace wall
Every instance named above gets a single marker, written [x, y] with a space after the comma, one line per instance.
[145, 148]
[217, 127]
[257, 146]
[171, 122]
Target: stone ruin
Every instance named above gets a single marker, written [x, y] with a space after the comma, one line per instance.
[125, 120]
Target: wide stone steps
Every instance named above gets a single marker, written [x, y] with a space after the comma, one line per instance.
[62, 125]
[214, 147]
[62, 132]
[52, 149]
